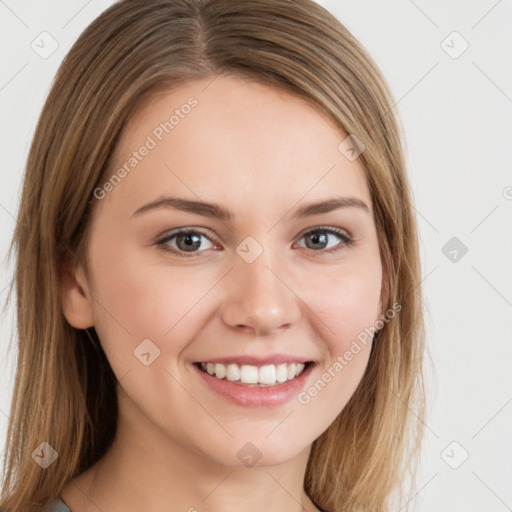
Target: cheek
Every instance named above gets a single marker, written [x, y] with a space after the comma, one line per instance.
[345, 308]
[138, 300]
[342, 305]
[353, 307]
[347, 302]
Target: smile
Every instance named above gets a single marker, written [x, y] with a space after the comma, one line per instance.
[250, 375]
[255, 381]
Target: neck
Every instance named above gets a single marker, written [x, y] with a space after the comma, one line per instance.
[145, 469]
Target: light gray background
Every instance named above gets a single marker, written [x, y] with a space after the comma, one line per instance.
[457, 117]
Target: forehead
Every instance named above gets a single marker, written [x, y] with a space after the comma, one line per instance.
[235, 142]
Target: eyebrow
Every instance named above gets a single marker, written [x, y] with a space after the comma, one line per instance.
[216, 211]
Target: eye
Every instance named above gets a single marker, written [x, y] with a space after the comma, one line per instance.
[186, 241]
[189, 241]
[318, 239]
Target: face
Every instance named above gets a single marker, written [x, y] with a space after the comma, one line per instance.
[259, 287]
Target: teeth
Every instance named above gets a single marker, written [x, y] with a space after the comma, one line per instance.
[220, 370]
[292, 368]
[248, 374]
[268, 375]
[281, 373]
[233, 372]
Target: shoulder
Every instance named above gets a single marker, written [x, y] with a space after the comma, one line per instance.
[56, 505]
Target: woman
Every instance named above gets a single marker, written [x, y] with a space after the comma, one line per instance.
[217, 270]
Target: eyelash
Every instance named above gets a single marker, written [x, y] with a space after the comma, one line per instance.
[347, 241]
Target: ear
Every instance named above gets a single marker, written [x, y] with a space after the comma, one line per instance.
[75, 300]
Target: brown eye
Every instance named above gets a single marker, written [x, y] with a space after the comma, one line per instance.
[188, 241]
[183, 241]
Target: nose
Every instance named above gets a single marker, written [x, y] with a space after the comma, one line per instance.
[260, 298]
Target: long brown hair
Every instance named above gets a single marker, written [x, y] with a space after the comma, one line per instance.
[64, 392]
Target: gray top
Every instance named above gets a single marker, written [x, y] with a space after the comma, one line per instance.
[57, 505]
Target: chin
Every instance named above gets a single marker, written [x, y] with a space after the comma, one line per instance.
[254, 452]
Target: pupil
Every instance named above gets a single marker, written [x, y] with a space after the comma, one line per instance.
[316, 238]
[189, 242]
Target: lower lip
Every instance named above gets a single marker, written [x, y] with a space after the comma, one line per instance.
[266, 396]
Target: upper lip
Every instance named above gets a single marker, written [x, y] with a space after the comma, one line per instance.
[255, 360]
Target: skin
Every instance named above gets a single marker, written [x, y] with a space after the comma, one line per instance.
[261, 153]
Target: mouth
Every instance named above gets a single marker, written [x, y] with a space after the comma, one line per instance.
[255, 376]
